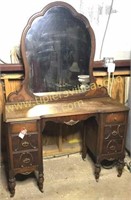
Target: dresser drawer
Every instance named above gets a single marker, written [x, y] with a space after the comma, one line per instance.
[29, 126]
[114, 131]
[30, 141]
[25, 159]
[112, 146]
[114, 118]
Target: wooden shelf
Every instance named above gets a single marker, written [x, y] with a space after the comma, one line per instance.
[11, 76]
[116, 73]
[67, 148]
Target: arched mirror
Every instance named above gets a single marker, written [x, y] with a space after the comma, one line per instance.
[57, 46]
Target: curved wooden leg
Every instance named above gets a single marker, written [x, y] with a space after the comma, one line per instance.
[12, 185]
[120, 167]
[97, 171]
[40, 182]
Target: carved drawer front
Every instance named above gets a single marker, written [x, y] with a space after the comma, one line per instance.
[112, 146]
[29, 126]
[114, 132]
[113, 138]
[25, 159]
[30, 141]
[115, 118]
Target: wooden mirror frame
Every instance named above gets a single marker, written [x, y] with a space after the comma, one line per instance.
[24, 94]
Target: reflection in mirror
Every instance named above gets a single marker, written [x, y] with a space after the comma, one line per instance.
[58, 47]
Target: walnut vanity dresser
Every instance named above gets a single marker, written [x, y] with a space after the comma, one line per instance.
[57, 48]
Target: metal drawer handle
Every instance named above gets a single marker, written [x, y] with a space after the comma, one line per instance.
[26, 160]
[71, 122]
[25, 144]
[115, 119]
[112, 148]
[114, 133]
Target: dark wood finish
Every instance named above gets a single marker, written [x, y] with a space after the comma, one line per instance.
[24, 155]
[104, 133]
[104, 120]
[107, 139]
[25, 93]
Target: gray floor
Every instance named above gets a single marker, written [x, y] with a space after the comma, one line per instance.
[71, 178]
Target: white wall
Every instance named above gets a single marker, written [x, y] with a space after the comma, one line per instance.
[15, 13]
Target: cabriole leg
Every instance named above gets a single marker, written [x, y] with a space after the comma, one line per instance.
[97, 171]
[40, 181]
[12, 185]
[120, 167]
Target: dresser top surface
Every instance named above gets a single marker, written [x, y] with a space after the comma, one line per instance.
[21, 111]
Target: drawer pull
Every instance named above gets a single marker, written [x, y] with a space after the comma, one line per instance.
[115, 119]
[26, 160]
[25, 144]
[112, 148]
[114, 133]
[71, 122]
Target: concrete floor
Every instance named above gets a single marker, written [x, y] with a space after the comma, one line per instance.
[71, 178]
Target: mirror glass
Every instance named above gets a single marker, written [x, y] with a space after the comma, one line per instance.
[58, 48]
